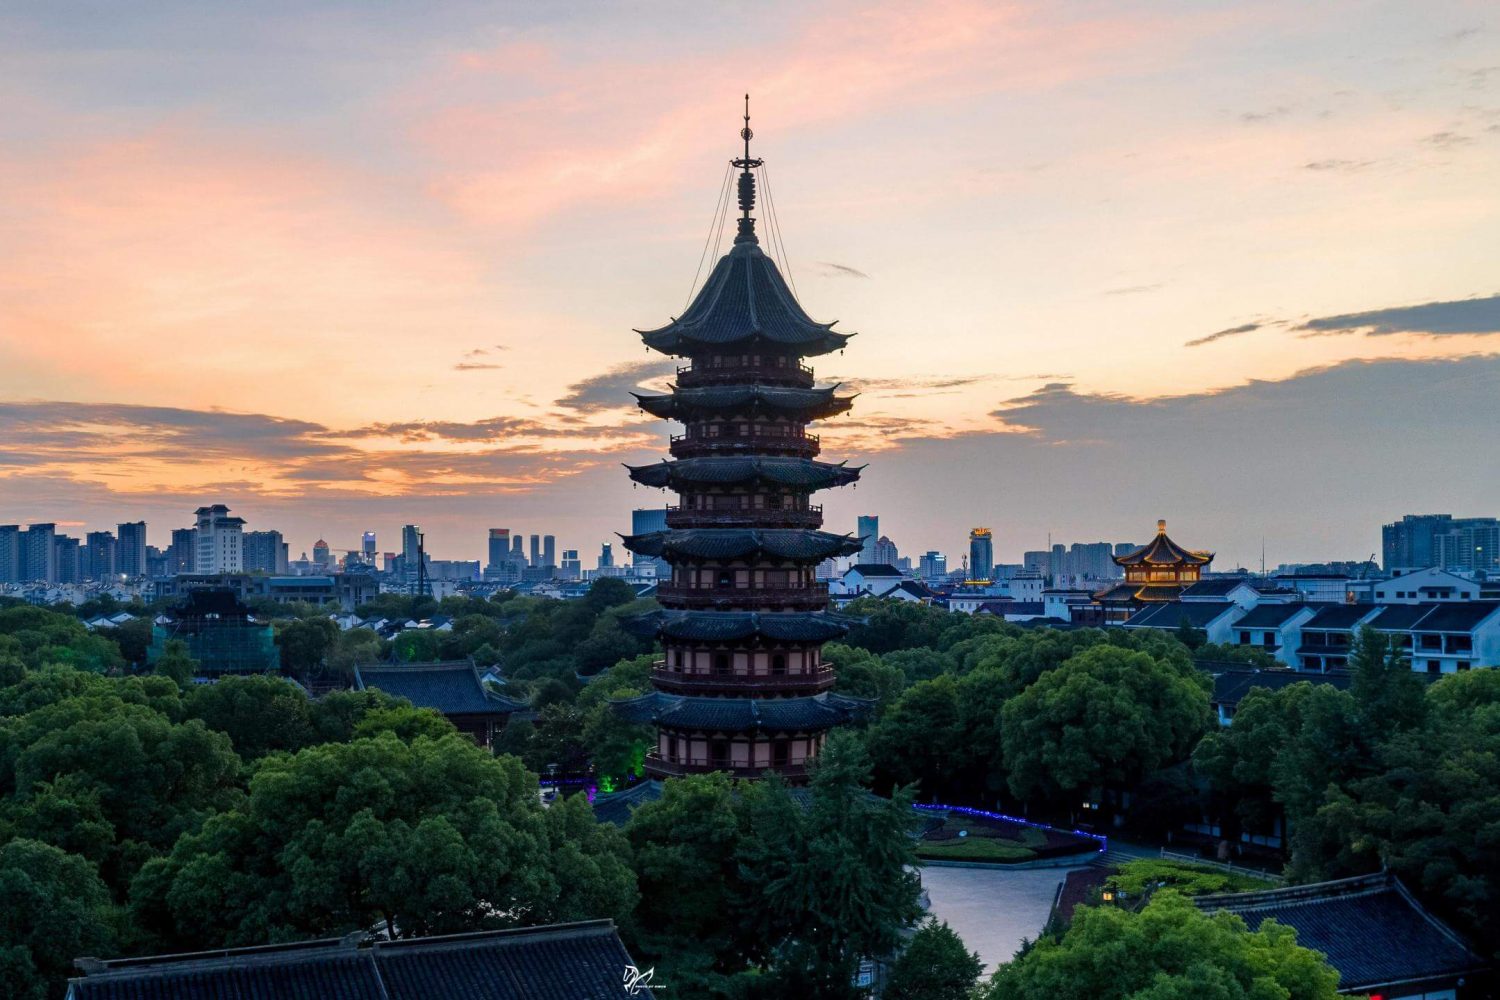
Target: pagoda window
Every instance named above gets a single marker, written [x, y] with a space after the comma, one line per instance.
[723, 666]
[676, 659]
[780, 753]
[778, 664]
[669, 747]
[739, 754]
[718, 753]
[725, 579]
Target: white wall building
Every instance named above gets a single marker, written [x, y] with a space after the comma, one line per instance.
[220, 541]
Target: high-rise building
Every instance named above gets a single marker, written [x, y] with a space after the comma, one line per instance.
[182, 555]
[321, 554]
[499, 553]
[367, 548]
[885, 552]
[743, 687]
[413, 554]
[867, 530]
[130, 549]
[266, 552]
[549, 550]
[606, 556]
[645, 521]
[981, 555]
[39, 553]
[69, 559]
[100, 555]
[1420, 541]
[518, 551]
[932, 565]
[10, 553]
[220, 541]
[536, 550]
[572, 566]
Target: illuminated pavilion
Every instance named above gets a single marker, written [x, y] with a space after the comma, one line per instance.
[1156, 572]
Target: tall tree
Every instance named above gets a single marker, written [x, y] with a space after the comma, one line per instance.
[53, 909]
[934, 965]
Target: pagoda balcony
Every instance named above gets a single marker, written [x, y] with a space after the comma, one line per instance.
[659, 768]
[737, 685]
[691, 376]
[797, 446]
[748, 517]
[813, 598]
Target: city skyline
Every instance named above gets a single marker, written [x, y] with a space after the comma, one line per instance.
[347, 316]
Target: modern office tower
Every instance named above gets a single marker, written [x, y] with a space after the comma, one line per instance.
[1039, 561]
[101, 556]
[868, 533]
[39, 553]
[572, 566]
[367, 548]
[1420, 541]
[981, 554]
[10, 553]
[518, 551]
[549, 550]
[321, 554]
[742, 686]
[536, 550]
[499, 553]
[130, 549]
[606, 556]
[265, 552]
[932, 565]
[412, 554]
[182, 556]
[643, 521]
[220, 541]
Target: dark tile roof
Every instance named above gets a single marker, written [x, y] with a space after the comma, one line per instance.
[743, 715]
[735, 543]
[1338, 616]
[807, 404]
[1217, 586]
[1370, 928]
[726, 626]
[1400, 617]
[728, 470]
[1231, 686]
[1162, 551]
[1172, 614]
[875, 569]
[1456, 616]
[744, 299]
[1269, 615]
[615, 807]
[555, 962]
[450, 688]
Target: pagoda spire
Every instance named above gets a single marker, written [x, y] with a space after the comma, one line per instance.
[746, 232]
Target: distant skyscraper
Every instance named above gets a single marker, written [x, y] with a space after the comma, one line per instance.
[868, 531]
[39, 553]
[220, 541]
[367, 548]
[607, 556]
[182, 556]
[549, 550]
[499, 552]
[518, 550]
[321, 555]
[572, 566]
[412, 554]
[1419, 541]
[130, 549]
[885, 552]
[100, 555]
[933, 564]
[981, 554]
[10, 553]
[265, 552]
[536, 550]
[644, 521]
[69, 557]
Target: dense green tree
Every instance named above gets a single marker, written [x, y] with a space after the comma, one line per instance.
[417, 645]
[837, 877]
[133, 638]
[176, 664]
[1249, 656]
[354, 647]
[305, 644]
[1167, 951]
[934, 965]
[1390, 698]
[886, 626]
[426, 836]
[1106, 717]
[260, 714]
[42, 636]
[919, 738]
[53, 909]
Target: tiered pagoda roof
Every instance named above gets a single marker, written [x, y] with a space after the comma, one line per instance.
[740, 543]
[745, 301]
[722, 626]
[1162, 551]
[753, 400]
[745, 715]
[733, 470]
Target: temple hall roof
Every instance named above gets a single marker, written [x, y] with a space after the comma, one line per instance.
[745, 299]
[729, 626]
[452, 688]
[739, 543]
[743, 471]
[1162, 551]
[808, 404]
[1370, 928]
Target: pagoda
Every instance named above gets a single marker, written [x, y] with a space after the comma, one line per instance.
[742, 686]
[1154, 573]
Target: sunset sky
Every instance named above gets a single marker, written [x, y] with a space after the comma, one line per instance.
[344, 266]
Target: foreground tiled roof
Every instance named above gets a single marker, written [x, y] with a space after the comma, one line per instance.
[1173, 613]
[1268, 615]
[1338, 616]
[725, 626]
[451, 688]
[744, 299]
[810, 404]
[737, 543]
[1370, 928]
[615, 807]
[736, 471]
[555, 962]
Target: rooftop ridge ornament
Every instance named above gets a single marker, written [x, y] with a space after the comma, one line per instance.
[746, 232]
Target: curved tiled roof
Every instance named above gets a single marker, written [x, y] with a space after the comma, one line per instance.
[743, 715]
[1162, 551]
[728, 626]
[737, 543]
[745, 299]
[808, 404]
[736, 471]
[452, 688]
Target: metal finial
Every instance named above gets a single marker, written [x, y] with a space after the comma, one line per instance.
[747, 183]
